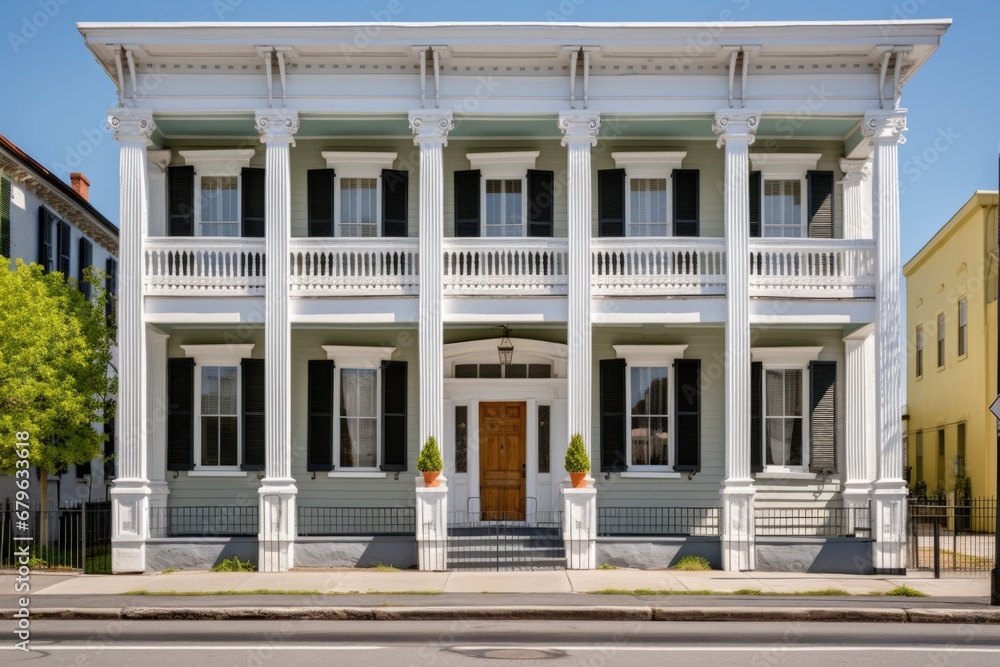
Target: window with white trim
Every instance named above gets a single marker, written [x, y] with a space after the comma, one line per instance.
[218, 404]
[217, 189]
[963, 327]
[785, 422]
[649, 397]
[504, 205]
[940, 340]
[648, 188]
[358, 183]
[783, 182]
[358, 397]
[919, 362]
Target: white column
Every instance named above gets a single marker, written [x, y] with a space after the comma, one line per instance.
[156, 424]
[889, 496]
[430, 132]
[158, 161]
[580, 130]
[130, 494]
[859, 424]
[857, 198]
[580, 527]
[276, 539]
[737, 131]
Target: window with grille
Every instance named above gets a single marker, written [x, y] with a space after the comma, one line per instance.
[544, 429]
[649, 394]
[358, 418]
[220, 211]
[220, 415]
[783, 209]
[461, 438]
[783, 419]
[358, 207]
[647, 207]
[504, 204]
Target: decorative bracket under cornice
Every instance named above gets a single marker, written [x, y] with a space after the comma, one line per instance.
[739, 60]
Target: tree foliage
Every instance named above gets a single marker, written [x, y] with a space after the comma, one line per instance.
[55, 356]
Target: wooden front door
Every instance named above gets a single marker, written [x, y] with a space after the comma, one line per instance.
[502, 444]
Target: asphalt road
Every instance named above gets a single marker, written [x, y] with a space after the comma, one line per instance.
[400, 644]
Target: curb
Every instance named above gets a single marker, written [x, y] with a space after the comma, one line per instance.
[525, 613]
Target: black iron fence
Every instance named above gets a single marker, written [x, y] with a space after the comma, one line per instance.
[360, 521]
[813, 522]
[657, 521]
[952, 540]
[75, 537]
[204, 521]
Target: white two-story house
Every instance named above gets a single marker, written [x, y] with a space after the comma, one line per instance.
[690, 232]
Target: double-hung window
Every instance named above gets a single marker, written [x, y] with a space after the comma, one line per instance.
[784, 411]
[504, 206]
[783, 187]
[358, 184]
[648, 191]
[919, 362]
[963, 327]
[940, 340]
[218, 192]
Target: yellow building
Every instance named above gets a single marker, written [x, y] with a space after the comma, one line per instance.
[951, 315]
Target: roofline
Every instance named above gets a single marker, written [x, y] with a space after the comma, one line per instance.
[979, 199]
[945, 23]
[57, 183]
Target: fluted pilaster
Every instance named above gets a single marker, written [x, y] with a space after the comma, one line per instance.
[157, 175]
[857, 198]
[156, 415]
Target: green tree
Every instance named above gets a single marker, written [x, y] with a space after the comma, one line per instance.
[55, 358]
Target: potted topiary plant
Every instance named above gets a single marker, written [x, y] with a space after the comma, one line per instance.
[577, 462]
[430, 462]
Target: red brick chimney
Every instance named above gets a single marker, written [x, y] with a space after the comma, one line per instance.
[81, 184]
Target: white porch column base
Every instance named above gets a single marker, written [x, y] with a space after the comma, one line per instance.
[889, 528]
[130, 525]
[156, 427]
[432, 525]
[737, 530]
[276, 539]
[580, 526]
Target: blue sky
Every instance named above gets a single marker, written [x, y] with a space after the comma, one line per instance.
[56, 95]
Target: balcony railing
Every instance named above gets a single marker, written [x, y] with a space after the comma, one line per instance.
[812, 268]
[505, 266]
[354, 266]
[647, 267]
[213, 266]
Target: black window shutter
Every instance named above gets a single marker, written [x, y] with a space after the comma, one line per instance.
[611, 202]
[393, 415]
[5, 217]
[820, 204]
[687, 185]
[111, 289]
[321, 197]
[253, 204]
[467, 203]
[319, 425]
[756, 210]
[180, 205]
[109, 449]
[253, 413]
[613, 415]
[395, 202]
[45, 239]
[180, 414]
[687, 392]
[65, 252]
[86, 261]
[823, 416]
[541, 202]
[756, 417]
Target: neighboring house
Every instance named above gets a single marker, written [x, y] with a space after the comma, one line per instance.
[680, 238]
[951, 319]
[44, 220]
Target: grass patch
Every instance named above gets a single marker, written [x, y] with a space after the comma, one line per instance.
[903, 591]
[169, 570]
[234, 564]
[382, 567]
[692, 563]
[824, 592]
[606, 566]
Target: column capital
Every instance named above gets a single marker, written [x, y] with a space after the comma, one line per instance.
[732, 125]
[579, 126]
[855, 171]
[158, 159]
[431, 125]
[132, 124]
[885, 126]
[277, 125]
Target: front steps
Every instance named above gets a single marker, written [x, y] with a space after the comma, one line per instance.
[502, 546]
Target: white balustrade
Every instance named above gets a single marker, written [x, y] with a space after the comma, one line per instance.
[196, 266]
[354, 266]
[663, 267]
[508, 266]
[812, 268]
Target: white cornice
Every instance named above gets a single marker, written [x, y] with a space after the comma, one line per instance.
[221, 355]
[650, 355]
[785, 356]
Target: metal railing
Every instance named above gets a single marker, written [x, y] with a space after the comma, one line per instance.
[812, 522]
[952, 539]
[204, 521]
[354, 266]
[657, 521]
[496, 540]
[76, 537]
[192, 265]
[360, 521]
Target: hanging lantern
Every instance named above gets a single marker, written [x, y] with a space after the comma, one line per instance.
[505, 348]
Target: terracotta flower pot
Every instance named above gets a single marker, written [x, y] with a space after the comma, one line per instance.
[578, 479]
[431, 477]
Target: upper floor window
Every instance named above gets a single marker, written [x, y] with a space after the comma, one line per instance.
[789, 198]
[783, 209]
[649, 195]
[504, 207]
[356, 199]
[963, 327]
[647, 204]
[358, 207]
[940, 340]
[919, 362]
[217, 192]
[220, 206]
[499, 197]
